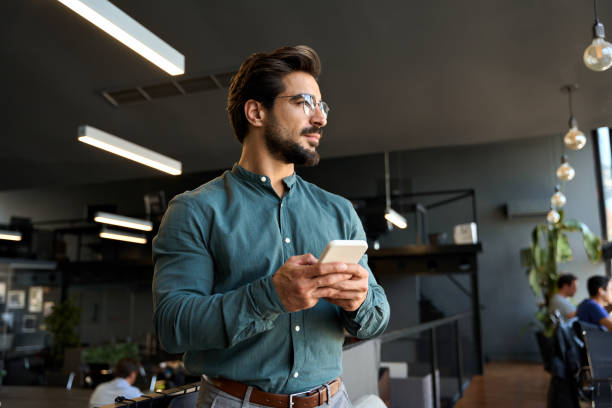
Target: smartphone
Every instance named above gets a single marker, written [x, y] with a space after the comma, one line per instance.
[347, 251]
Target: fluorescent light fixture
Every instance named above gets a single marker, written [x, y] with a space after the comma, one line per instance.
[10, 235]
[121, 221]
[129, 150]
[395, 218]
[123, 236]
[107, 17]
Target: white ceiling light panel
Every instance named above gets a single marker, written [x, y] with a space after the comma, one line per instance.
[113, 144]
[110, 19]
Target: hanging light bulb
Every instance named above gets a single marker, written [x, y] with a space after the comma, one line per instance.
[598, 55]
[558, 199]
[553, 216]
[574, 138]
[565, 172]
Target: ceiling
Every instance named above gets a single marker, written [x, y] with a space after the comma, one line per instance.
[397, 75]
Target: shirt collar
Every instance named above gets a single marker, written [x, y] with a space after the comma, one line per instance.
[246, 175]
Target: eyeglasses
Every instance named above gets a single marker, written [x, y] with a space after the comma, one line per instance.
[309, 103]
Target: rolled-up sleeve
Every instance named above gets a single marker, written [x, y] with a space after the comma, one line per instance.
[187, 314]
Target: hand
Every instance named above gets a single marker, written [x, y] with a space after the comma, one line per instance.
[350, 294]
[301, 281]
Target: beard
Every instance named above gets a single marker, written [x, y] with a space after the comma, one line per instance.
[283, 148]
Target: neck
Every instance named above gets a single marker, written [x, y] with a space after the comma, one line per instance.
[600, 300]
[256, 158]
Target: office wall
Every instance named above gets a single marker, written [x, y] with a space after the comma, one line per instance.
[499, 172]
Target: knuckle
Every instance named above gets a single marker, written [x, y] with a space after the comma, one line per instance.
[300, 289]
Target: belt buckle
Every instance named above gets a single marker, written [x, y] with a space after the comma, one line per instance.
[291, 403]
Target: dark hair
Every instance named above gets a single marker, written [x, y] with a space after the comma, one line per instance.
[565, 279]
[260, 77]
[126, 366]
[596, 282]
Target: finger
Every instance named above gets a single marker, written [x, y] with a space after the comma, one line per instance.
[357, 270]
[344, 294]
[331, 279]
[344, 304]
[324, 292]
[327, 268]
[350, 284]
[306, 259]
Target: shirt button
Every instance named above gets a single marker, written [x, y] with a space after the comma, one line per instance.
[297, 328]
[263, 179]
[287, 240]
[296, 374]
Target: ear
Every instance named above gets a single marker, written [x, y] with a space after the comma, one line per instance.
[254, 112]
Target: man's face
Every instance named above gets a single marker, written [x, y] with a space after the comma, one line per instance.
[608, 293]
[573, 288]
[290, 134]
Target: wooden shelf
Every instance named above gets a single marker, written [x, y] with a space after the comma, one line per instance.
[420, 250]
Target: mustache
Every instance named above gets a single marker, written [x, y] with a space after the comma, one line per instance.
[312, 130]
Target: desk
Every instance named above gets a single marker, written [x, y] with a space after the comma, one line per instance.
[435, 260]
[15, 396]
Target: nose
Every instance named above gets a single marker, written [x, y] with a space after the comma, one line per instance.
[318, 119]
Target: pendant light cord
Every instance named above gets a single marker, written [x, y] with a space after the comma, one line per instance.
[387, 182]
[595, 10]
[569, 98]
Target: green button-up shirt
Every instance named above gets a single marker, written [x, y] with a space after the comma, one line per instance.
[217, 249]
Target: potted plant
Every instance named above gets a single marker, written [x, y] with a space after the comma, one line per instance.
[550, 247]
[61, 323]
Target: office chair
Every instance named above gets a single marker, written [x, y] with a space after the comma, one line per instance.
[598, 346]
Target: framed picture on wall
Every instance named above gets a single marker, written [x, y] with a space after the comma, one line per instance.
[2, 292]
[7, 319]
[35, 299]
[15, 299]
[48, 308]
[29, 324]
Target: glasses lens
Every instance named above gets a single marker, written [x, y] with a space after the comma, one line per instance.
[324, 108]
[309, 106]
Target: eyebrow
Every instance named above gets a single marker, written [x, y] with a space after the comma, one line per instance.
[299, 94]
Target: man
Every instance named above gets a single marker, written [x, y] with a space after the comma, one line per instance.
[126, 372]
[567, 285]
[236, 285]
[593, 310]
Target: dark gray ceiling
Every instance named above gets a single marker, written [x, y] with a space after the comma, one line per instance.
[397, 74]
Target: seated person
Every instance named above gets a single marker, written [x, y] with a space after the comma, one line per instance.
[126, 372]
[592, 310]
[567, 285]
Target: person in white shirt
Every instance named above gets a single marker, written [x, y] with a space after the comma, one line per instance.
[567, 284]
[126, 372]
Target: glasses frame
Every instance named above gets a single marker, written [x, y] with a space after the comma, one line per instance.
[309, 103]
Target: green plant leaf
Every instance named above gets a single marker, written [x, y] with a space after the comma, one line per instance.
[534, 282]
[592, 243]
[564, 251]
[527, 258]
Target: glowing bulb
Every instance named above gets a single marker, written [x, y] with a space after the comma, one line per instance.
[396, 218]
[558, 199]
[565, 172]
[575, 139]
[598, 55]
[553, 216]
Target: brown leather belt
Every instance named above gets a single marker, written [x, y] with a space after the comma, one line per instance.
[310, 399]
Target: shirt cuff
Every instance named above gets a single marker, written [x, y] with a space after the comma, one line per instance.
[265, 299]
[359, 315]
